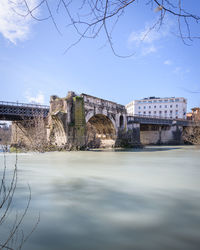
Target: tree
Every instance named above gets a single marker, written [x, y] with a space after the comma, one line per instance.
[5, 136]
[90, 18]
[30, 134]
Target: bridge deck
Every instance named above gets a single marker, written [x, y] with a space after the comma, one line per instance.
[14, 111]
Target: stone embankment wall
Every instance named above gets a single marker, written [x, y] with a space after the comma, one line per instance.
[161, 135]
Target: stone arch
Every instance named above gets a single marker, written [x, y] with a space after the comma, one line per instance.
[90, 114]
[100, 132]
[57, 133]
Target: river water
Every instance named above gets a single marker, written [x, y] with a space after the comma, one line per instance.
[110, 200]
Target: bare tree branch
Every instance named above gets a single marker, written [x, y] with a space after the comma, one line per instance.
[89, 18]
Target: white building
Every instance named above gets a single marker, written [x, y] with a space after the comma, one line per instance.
[169, 107]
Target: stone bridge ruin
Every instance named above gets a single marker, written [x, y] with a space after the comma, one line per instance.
[85, 121]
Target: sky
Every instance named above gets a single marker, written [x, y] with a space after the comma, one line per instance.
[34, 63]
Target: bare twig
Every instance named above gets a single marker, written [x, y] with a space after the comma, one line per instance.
[89, 18]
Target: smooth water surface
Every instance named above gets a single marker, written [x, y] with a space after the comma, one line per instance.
[108, 200]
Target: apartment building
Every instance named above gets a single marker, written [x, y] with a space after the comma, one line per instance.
[168, 107]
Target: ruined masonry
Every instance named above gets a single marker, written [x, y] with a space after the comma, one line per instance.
[77, 122]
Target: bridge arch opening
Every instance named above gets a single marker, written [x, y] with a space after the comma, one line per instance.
[121, 121]
[100, 132]
[57, 133]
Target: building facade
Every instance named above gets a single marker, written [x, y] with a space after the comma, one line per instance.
[169, 107]
[194, 115]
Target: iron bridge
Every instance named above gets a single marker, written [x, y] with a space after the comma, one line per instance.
[15, 111]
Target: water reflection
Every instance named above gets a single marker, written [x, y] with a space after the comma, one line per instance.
[145, 149]
[113, 200]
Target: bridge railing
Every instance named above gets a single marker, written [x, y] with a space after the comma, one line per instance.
[146, 119]
[20, 104]
[156, 117]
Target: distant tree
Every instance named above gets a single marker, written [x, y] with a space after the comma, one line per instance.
[30, 134]
[90, 18]
[5, 136]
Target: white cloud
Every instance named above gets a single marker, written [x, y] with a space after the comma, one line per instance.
[177, 70]
[147, 40]
[181, 71]
[144, 36]
[13, 25]
[168, 62]
[150, 33]
[148, 50]
[39, 98]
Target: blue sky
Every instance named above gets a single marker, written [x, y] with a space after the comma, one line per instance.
[33, 64]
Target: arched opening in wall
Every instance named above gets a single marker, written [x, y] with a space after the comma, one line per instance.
[121, 121]
[57, 136]
[100, 132]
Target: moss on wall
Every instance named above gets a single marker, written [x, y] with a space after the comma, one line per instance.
[79, 121]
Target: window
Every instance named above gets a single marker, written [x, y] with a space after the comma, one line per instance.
[144, 107]
[170, 106]
[165, 106]
[144, 112]
[139, 112]
[139, 107]
[176, 100]
[176, 105]
[154, 112]
[149, 106]
[165, 100]
[160, 112]
[165, 111]
[149, 112]
[155, 107]
[176, 112]
[160, 106]
[170, 111]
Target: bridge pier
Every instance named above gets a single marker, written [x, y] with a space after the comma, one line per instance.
[67, 126]
[129, 136]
